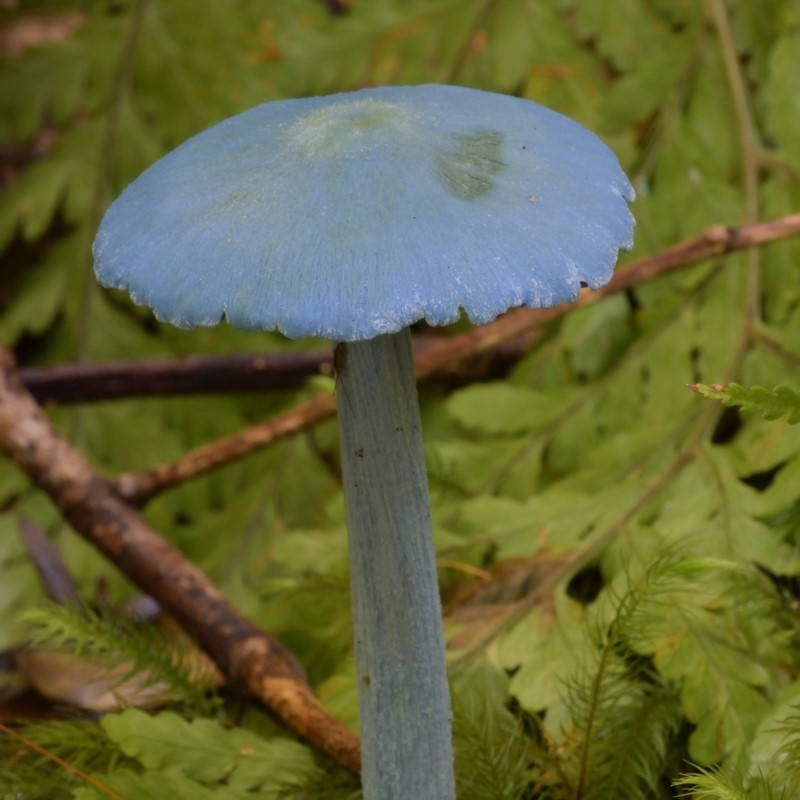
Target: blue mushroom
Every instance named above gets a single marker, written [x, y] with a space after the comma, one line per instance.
[351, 217]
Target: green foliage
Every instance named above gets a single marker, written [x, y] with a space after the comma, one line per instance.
[717, 630]
[495, 756]
[775, 750]
[33, 772]
[138, 662]
[622, 718]
[638, 550]
[205, 753]
[625, 726]
[781, 401]
[694, 639]
[707, 785]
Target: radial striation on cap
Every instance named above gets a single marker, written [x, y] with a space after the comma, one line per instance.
[357, 214]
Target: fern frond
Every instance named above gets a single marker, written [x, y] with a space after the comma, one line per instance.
[206, 752]
[133, 660]
[324, 783]
[624, 719]
[785, 766]
[718, 630]
[725, 785]
[495, 759]
[27, 773]
[684, 618]
[623, 716]
[321, 599]
[782, 401]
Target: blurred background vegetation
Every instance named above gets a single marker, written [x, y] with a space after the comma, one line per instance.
[665, 529]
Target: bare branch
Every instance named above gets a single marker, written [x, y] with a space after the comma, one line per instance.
[138, 488]
[81, 383]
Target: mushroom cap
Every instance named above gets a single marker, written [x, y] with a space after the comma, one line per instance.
[357, 214]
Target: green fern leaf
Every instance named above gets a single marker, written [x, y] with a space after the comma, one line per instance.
[725, 785]
[785, 769]
[503, 409]
[40, 294]
[688, 620]
[156, 663]
[29, 773]
[775, 751]
[623, 724]
[495, 757]
[206, 752]
[152, 786]
[771, 404]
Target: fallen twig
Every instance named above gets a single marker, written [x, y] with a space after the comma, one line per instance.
[82, 383]
[138, 487]
[250, 659]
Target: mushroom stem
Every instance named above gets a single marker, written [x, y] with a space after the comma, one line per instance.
[406, 747]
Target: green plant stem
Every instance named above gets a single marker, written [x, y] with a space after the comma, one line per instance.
[406, 749]
[749, 150]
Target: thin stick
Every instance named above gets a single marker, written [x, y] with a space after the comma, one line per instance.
[717, 240]
[251, 660]
[138, 488]
[82, 383]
